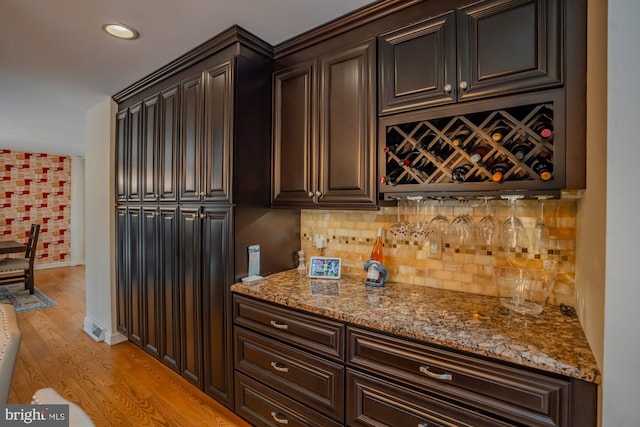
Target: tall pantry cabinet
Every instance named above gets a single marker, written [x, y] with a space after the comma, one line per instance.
[192, 188]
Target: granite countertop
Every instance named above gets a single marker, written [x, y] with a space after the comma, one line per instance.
[477, 324]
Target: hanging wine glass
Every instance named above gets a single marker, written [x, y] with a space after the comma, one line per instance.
[399, 230]
[540, 237]
[488, 227]
[513, 232]
[440, 223]
[419, 227]
[461, 228]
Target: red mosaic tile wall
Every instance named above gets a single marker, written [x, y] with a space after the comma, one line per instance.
[36, 188]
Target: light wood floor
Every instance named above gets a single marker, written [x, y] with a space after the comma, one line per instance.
[117, 385]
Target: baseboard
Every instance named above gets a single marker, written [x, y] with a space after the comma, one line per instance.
[117, 338]
[51, 265]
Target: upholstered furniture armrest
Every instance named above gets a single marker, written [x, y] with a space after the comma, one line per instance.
[10, 337]
[77, 416]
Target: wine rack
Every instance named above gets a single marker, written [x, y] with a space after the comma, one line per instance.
[511, 148]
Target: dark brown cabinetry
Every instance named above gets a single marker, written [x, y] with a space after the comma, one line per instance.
[324, 131]
[302, 369]
[295, 359]
[489, 48]
[193, 191]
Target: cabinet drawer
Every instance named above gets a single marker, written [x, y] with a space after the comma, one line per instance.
[375, 402]
[316, 334]
[514, 394]
[262, 406]
[313, 381]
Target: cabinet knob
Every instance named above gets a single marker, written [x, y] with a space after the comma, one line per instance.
[318, 193]
[279, 418]
[447, 88]
[310, 193]
[202, 193]
[463, 85]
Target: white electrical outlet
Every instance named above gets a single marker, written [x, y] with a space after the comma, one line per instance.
[434, 248]
[319, 241]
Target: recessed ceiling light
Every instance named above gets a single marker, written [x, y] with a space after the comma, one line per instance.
[120, 31]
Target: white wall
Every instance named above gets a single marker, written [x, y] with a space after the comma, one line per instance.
[99, 212]
[621, 372]
[77, 211]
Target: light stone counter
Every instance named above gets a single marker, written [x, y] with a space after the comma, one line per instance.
[551, 341]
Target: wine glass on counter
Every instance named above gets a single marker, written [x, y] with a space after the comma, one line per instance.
[514, 234]
[540, 236]
[488, 227]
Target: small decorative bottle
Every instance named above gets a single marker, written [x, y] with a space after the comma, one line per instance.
[301, 264]
[376, 272]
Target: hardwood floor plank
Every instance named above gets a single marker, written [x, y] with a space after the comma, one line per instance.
[117, 385]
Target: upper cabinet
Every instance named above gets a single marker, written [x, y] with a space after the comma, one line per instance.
[489, 48]
[324, 130]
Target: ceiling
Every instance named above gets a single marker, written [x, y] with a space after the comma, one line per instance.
[56, 62]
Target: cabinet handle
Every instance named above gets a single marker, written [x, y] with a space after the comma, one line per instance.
[279, 418]
[279, 325]
[447, 88]
[463, 85]
[278, 367]
[423, 425]
[425, 370]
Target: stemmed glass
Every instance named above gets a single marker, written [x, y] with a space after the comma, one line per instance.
[440, 223]
[513, 232]
[488, 226]
[461, 227]
[420, 227]
[400, 229]
[540, 237]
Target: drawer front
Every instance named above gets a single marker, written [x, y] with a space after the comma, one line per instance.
[262, 406]
[316, 334]
[515, 394]
[374, 402]
[313, 381]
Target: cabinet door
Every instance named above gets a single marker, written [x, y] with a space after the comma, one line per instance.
[294, 179]
[417, 65]
[216, 150]
[135, 277]
[217, 263]
[133, 155]
[169, 147]
[149, 281]
[168, 287]
[191, 138]
[347, 124]
[190, 296]
[122, 141]
[506, 46]
[149, 149]
[122, 272]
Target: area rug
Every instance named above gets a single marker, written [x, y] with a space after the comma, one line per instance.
[17, 295]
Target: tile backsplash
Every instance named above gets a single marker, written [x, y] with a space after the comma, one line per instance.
[460, 267]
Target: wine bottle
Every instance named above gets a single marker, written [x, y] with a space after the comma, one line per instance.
[500, 131]
[498, 170]
[373, 272]
[396, 177]
[543, 127]
[543, 168]
[459, 139]
[478, 152]
[459, 173]
[520, 149]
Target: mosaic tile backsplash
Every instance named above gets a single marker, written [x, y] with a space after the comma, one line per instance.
[460, 266]
[36, 189]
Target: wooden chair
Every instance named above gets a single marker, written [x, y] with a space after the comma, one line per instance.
[22, 267]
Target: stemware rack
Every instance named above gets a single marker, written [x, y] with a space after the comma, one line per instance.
[427, 155]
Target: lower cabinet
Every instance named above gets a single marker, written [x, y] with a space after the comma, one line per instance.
[297, 368]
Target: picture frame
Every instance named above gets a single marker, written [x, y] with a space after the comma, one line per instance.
[325, 267]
